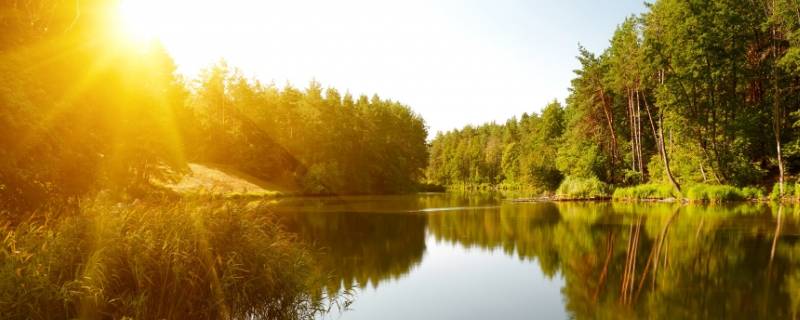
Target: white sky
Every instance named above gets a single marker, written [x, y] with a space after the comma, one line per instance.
[454, 62]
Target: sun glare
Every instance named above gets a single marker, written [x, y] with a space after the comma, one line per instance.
[138, 19]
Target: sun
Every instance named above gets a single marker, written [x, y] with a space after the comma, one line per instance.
[196, 33]
[139, 19]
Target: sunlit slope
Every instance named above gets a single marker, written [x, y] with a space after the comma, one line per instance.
[225, 180]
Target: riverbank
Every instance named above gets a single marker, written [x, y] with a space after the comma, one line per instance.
[578, 189]
[163, 259]
[205, 178]
[210, 180]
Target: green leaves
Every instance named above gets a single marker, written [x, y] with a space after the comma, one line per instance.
[517, 154]
[313, 141]
[718, 78]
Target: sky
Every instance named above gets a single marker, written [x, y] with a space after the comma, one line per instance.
[454, 62]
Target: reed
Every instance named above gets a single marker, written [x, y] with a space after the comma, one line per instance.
[582, 188]
[190, 259]
[650, 191]
[715, 193]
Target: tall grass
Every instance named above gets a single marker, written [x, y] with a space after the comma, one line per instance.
[648, 191]
[696, 193]
[790, 192]
[753, 193]
[186, 260]
[715, 193]
[583, 188]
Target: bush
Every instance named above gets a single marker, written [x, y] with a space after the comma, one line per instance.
[430, 187]
[646, 191]
[796, 193]
[789, 191]
[753, 193]
[192, 260]
[582, 188]
[714, 193]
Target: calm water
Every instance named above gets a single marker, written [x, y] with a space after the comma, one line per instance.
[441, 256]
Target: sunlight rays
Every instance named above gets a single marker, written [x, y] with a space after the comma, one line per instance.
[136, 19]
[69, 95]
[95, 59]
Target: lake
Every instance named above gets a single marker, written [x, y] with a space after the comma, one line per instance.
[449, 256]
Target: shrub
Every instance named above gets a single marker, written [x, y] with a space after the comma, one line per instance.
[646, 191]
[788, 192]
[582, 188]
[192, 260]
[753, 193]
[430, 187]
[714, 193]
[796, 193]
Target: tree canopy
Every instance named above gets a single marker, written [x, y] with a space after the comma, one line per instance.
[687, 92]
[82, 110]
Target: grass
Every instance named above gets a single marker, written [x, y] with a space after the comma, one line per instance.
[715, 193]
[216, 179]
[753, 193]
[693, 193]
[573, 188]
[648, 191]
[476, 187]
[430, 187]
[184, 260]
[790, 192]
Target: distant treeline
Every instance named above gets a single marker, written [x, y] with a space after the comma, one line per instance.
[82, 109]
[319, 139]
[688, 92]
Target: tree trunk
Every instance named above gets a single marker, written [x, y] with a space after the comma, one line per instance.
[632, 130]
[662, 150]
[777, 112]
[780, 159]
[610, 120]
[703, 172]
[639, 133]
[665, 156]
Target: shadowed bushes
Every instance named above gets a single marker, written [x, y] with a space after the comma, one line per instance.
[185, 260]
[790, 192]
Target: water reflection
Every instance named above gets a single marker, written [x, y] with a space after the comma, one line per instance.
[362, 248]
[664, 261]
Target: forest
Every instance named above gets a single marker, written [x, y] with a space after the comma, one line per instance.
[692, 98]
[687, 93]
[92, 124]
[83, 111]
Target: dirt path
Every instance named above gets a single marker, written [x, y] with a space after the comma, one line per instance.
[220, 179]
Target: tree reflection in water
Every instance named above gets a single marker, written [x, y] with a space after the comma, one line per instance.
[665, 261]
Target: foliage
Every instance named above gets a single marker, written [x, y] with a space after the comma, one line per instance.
[582, 188]
[646, 191]
[198, 259]
[83, 109]
[520, 153]
[328, 142]
[672, 100]
[753, 193]
[80, 110]
[789, 192]
[714, 193]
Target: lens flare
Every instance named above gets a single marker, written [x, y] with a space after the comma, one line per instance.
[137, 19]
